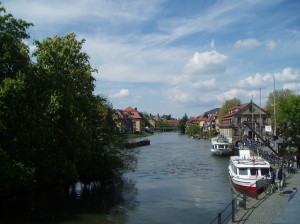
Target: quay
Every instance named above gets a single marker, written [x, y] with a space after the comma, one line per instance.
[275, 208]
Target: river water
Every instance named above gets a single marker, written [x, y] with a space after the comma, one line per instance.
[177, 180]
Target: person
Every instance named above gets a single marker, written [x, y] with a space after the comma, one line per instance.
[280, 178]
[298, 160]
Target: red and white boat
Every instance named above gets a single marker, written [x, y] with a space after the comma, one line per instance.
[245, 170]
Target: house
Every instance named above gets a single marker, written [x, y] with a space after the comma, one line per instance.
[209, 120]
[129, 120]
[233, 122]
[138, 121]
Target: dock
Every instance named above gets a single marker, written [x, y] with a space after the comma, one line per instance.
[275, 208]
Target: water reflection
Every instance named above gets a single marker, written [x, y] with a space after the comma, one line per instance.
[93, 203]
[177, 180]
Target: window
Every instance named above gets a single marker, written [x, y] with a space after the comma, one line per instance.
[264, 171]
[253, 172]
[243, 171]
[234, 169]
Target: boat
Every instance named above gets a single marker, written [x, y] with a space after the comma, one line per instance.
[221, 145]
[134, 144]
[248, 172]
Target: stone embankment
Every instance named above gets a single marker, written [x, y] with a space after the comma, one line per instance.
[274, 208]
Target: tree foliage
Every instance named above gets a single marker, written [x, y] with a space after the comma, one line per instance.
[14, 56]
[226, 106]
[193, 129]
[182, 124]
[53, 129]
[280, 97]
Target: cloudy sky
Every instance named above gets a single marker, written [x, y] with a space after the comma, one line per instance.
[177, 56]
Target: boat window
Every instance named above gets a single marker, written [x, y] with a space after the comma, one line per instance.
[264, 171]
[234, 169]
[243, 171]
[253, 172]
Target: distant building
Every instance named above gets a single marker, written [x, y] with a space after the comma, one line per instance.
[209, 120]
[129, 120]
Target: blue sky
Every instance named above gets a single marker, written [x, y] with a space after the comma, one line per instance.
[177, 56]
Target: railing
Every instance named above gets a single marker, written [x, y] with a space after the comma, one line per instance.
[225, 214]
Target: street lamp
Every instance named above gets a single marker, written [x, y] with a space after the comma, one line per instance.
[274, 107]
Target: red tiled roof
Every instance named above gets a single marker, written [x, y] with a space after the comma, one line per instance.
[201, 118]
[132, 112]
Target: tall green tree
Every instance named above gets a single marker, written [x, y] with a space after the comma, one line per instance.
[280, 97]
[182, 124]
[53, 129]
[226, 106]
[14, 57]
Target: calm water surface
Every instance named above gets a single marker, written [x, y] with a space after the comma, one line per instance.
[177, 180]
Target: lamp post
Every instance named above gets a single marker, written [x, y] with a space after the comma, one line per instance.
[274, 106]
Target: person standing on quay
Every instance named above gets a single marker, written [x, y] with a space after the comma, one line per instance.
[298, 160]
[280, 178]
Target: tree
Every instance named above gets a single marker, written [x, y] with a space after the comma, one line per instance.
[226, 106]
[288, 111]
[193, 129]
[280, 97]
[182, 123]
[14, 56]
[53, 129]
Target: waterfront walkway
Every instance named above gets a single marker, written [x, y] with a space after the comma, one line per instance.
[274, 208]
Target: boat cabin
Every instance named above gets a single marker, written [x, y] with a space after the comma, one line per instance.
[220, 146]
[249, 166]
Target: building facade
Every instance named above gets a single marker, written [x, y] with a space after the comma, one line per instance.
[239, 118]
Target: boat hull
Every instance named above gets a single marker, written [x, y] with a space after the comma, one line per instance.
[219, 152]
[247, 188]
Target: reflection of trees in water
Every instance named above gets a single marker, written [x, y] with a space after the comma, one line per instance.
[57, 204]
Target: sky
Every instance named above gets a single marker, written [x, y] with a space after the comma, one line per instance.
[177, 57]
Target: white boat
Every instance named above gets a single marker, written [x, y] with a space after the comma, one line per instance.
[245, 170]
[221, 145]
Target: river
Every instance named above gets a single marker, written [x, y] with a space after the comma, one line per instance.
[177, 180]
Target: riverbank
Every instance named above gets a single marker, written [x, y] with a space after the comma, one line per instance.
[274, 208]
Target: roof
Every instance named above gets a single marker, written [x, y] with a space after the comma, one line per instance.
[133, 112]
[213, 111]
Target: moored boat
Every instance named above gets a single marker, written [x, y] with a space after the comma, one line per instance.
[221, 145]
[245, 170]
[134, 144]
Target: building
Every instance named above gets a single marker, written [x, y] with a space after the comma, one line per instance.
[234, 124]
[129, 120]
[209, 120]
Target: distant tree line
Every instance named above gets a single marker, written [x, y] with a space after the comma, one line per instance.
[53, 130]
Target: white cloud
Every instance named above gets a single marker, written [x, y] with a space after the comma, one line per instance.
[121, 93]
[270, 44]
[206, 63]
[288, 74]
[181, 97]
[251, 81]
[204, 84]
[247, 43]
[292, 86]
[267, 79]
[42, 12]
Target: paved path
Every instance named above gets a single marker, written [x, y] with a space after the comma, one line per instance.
[274, 208]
